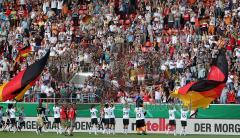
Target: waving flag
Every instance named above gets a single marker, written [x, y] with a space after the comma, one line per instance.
[202, 93]
[24, 80]
[23, 52]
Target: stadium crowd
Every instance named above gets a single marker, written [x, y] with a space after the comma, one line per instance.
[149, 47]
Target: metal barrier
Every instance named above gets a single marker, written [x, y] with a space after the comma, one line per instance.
[73, 97]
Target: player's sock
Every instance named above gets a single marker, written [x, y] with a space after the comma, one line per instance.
[104, 130]
[181, 132]
[66, 130]
[40, 130]
[113, 131]
[168, 131]
[109, 131]
[69, 132]
[126, 130]
[95, 130]
[61, 130]
[8, 128]
[175, 133]
[37, 131]
[14, 130]
[90, 131]
[184, 132]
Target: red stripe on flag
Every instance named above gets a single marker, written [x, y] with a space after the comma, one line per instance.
[12, 86]
[215, 92]
[216, 74]
[183, 90]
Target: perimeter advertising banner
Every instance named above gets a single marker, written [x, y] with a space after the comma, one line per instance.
[194, 126]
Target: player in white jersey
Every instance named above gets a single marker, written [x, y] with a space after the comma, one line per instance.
[172, 119]
[12, 113]
[112, 119]
[56, 115]
[106, 120]
[94, 119]
[184, 115]
[126, 111]
[140, 118]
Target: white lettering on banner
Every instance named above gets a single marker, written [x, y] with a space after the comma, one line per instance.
[194, 126]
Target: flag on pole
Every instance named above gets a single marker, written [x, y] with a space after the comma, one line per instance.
[23, 81]
[202, 93]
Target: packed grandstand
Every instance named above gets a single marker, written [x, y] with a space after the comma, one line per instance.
[127, 48]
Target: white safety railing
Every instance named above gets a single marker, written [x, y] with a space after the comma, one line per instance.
[78, 98]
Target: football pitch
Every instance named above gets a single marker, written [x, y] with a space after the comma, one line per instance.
[86, 135]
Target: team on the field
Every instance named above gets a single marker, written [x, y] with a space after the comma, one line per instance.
[65, 116]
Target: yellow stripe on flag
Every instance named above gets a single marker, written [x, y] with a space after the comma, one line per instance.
[193, 99]
[21, 94]
[1, 88]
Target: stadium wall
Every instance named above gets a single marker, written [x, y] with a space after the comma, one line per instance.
[153, 111]
[156, 125]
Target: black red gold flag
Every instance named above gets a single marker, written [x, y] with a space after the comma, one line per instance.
[201, 93]
[23, 81]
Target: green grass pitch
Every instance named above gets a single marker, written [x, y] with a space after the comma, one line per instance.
[86, 135]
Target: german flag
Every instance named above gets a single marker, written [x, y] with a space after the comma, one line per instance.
[23, 52]
[24, 80]
[202, 93]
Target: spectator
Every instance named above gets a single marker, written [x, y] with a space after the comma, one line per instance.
[43, 94]
[238, 95]
[224, 95]
[158, 95]
[63, 93]
[231, 97]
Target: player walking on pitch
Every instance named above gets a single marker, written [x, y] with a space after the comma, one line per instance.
[40, 115]
[21, 121]
[126, 111]
[112, 118]
[106, 119]
[7, 123]
[13, 122]
[63, 118]
[94, 120]
[56, 112]
[72, 118]
[140, 118]
[184, 115]
[172, 120]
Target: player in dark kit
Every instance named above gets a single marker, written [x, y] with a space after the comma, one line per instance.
[21, 121]
[40, 115]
